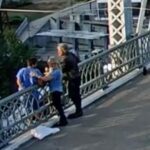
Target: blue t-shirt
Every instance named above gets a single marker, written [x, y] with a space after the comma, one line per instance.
[24, 76]
[55, 83]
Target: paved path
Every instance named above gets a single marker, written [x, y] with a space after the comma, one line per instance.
[119, 121]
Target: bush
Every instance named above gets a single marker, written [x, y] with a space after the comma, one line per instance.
[14, 4]
[16, 20]
[13, 55]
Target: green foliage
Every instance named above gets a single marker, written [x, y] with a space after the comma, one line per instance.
[13, 55]
[16, 19]
[13, 4]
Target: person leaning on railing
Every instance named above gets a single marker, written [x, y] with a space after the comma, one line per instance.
[24, 80]
[69, 64]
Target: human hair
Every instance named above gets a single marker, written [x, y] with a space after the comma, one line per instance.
[32, 61]
[63, 47]
[53, 60]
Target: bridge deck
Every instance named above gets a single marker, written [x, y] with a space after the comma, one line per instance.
[120, 121]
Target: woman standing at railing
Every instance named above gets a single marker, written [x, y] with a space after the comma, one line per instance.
[54, 79]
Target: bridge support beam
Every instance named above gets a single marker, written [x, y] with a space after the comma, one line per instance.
[141, 17]
[120, 28]
[120, 21]
[149, 26]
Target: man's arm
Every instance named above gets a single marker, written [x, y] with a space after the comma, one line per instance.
[19, 84]
[19, 79]
[47, 77]
[33, 78]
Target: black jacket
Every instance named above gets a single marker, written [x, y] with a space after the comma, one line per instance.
[69, 64]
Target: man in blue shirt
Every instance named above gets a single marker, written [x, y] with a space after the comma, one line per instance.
[24, 80]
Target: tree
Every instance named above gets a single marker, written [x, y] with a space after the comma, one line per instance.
[13, 55]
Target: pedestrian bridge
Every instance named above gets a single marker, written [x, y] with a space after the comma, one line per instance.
[118, 121]
[110, 123]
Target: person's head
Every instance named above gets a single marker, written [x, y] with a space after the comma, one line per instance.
[52, 62]
[62, 49]
[32, 62]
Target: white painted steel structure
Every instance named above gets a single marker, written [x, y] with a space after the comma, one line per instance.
[26, 10]
[117, 21]
[105, 1]
[73, 34]
[141, 17]
[149, 25]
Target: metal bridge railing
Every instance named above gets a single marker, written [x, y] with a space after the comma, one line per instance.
[30, 107]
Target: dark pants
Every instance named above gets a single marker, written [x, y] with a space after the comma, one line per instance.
[74, 92]
[56, 99]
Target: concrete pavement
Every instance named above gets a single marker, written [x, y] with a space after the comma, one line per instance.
[118, 121]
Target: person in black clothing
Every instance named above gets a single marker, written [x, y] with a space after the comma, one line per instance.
[69, 63]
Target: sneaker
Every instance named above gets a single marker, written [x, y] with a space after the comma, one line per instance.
[75, 115]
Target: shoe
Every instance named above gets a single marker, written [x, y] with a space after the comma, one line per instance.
[75, 115]
[61, 124]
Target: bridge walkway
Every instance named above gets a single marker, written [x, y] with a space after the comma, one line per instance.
[118, 121]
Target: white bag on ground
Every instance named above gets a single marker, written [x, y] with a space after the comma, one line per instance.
[41, 132]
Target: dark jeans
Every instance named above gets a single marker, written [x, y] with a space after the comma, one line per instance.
[56, 99]
[74, 92]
